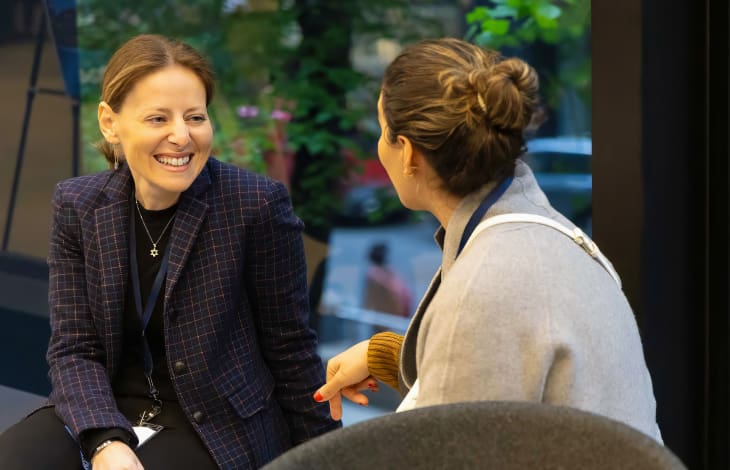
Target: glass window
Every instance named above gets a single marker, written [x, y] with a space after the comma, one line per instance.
[298, 86]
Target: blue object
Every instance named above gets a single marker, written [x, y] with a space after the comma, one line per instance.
[62, 16]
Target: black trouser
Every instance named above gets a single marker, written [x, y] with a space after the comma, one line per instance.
[41, 442]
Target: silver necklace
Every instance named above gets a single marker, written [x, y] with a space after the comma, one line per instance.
[154, 252]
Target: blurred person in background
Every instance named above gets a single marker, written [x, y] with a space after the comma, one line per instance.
[524, 309]
[178, 297]
[385, 291]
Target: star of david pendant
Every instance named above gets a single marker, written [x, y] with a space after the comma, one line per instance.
[154, 251]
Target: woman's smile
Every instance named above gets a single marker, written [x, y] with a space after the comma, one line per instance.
[176, 161]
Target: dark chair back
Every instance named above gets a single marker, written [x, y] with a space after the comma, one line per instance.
[499, 435]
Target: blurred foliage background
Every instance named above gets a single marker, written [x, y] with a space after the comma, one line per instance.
[298, 80]
[554, 37]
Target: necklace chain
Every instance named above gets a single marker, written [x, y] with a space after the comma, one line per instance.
[154, 252]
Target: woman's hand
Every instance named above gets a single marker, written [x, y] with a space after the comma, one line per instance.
[347, 374]
[116, 456]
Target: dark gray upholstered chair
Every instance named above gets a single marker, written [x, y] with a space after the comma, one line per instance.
[491, 435]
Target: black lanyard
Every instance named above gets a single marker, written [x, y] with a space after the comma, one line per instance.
[146, 314]
[478, 214]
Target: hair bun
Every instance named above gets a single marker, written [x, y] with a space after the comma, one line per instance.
[511, 94]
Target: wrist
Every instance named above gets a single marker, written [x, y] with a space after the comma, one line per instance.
[103, 446]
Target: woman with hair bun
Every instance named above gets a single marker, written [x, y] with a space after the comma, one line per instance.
[524, 306]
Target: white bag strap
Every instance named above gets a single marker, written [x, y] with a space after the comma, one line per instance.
[576, 235]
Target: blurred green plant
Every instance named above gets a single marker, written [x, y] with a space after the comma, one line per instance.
[518, 22]
[305, 47]
[563, 24]
[265, 52]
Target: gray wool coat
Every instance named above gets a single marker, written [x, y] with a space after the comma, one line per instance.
[524, 313]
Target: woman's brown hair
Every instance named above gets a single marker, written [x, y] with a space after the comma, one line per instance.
[139, 57]
[465, 108]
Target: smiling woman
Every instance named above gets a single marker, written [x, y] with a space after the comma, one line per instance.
[171, 276]
[164, 133]
[157, 121]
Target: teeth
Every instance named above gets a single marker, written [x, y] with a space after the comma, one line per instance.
[172, 161]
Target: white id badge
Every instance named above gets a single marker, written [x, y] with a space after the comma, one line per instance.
[145, 432]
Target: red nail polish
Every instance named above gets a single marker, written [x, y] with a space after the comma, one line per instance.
[318, 397]
[371, 385]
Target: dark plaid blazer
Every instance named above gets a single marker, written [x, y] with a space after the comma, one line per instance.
[236, 310]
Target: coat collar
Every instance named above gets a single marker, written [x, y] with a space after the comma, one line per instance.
[523, 195]
[451, 237]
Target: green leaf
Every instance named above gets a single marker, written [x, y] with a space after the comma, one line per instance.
[485, 38]
[323, 116]
[546, 23]
[550, 36]
[496, 27]
[471, 31]
[529, 31]
[549, 11]
[504, 11]
[477, 15]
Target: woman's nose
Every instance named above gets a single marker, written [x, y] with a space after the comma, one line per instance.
[179, 134]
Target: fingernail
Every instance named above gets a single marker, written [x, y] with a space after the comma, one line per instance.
[371, 385]
[318, 397]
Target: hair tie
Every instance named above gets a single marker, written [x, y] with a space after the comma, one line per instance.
[482, 103]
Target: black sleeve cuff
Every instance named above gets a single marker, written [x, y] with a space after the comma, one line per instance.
[91, 438]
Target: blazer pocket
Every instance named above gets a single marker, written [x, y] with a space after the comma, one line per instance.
[248, 401]
[261, 416]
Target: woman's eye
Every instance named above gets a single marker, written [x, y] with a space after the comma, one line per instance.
[197, 118]
[156, 119]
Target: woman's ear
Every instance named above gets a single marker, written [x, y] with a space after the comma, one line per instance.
[408, 155]
[107, 118]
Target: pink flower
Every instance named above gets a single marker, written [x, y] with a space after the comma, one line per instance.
[248, 111]
[279, 115]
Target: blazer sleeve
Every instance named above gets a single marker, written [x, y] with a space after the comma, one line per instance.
[277, 284]
[81, 390]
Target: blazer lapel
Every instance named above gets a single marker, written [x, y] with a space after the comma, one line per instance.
[112, 229]
[191, 213]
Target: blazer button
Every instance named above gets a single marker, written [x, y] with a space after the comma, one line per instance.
[172, 314]
[180, 367]
[199, 417]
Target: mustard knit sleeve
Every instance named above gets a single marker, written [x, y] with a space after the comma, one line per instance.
[384, 356]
